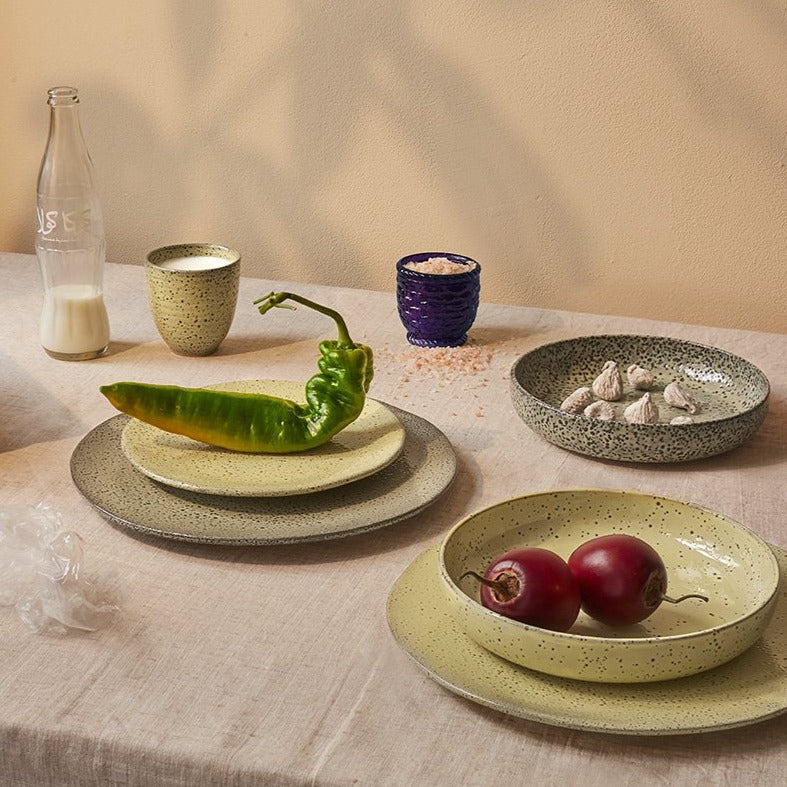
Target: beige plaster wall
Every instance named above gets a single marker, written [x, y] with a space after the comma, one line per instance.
[596, 155]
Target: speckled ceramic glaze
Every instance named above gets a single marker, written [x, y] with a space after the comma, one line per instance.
[367, 445]
[703, 552]
[437, 309]
[732, 393]
[748, 689]
[193, 309]
[126, 497]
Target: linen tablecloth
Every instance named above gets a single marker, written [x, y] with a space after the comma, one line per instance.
[274, 665]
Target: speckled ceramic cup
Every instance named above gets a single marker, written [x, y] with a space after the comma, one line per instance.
[193, 291]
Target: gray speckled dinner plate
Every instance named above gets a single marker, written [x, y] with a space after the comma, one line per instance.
[732, 394]
[751, 688]
[363, 448]
[422, 472]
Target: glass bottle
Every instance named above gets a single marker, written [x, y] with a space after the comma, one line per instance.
[70, 242]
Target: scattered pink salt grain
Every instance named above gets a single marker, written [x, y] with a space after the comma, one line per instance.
[443, 366]
[440, 265]
[444, 363]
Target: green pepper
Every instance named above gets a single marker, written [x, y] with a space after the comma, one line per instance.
[258, 423]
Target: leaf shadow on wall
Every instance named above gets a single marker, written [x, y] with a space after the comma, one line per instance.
[722, 94]
[344, 67]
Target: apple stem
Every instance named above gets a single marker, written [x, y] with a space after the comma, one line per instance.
[683, 598]
[505, 589]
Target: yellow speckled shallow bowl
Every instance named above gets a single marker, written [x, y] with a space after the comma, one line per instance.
[373, 441]
[748, 689]
[704, 552]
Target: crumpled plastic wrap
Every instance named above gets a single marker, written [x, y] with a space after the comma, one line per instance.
[42, 577]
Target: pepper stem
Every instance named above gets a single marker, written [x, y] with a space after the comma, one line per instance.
[267, 302]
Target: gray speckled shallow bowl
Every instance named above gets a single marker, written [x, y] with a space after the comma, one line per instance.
[703, 551]
[749, 689]
[733, 397]
[423, 471]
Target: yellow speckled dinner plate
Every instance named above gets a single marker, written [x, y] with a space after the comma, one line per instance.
[751, 688]
[370, 443]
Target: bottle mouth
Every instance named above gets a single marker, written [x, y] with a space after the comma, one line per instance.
[62, 96]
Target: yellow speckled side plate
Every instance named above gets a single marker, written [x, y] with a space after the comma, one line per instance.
[751, 688]
[370, 443]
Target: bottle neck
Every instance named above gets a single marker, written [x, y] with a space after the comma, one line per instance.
[66, 166]
[64, 123]
[64, 112]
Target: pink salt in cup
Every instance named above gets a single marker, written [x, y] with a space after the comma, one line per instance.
[437, 297]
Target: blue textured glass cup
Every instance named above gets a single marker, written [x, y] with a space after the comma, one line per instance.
[437, 309]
